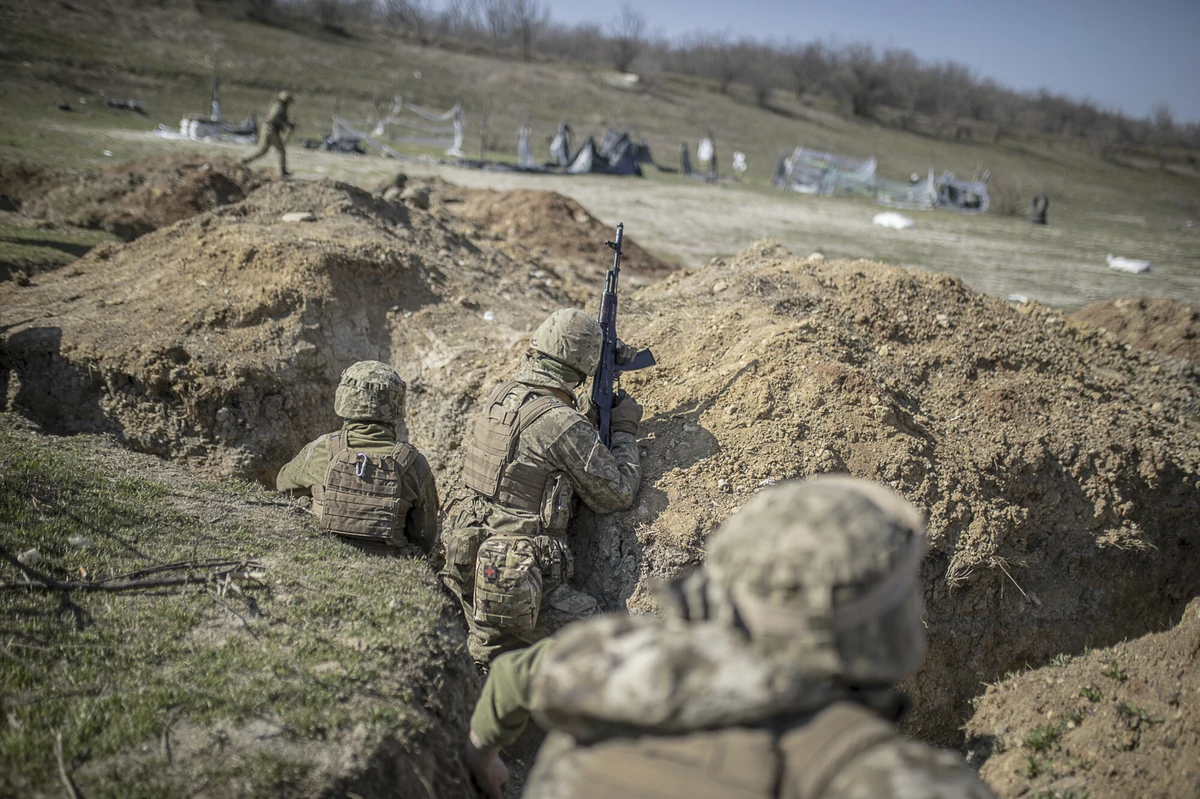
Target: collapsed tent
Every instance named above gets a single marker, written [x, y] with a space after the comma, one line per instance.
[202, 128]
[616, 154]
[815, 172]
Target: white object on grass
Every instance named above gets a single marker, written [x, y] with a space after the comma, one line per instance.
[893, 220]
[1127, 264]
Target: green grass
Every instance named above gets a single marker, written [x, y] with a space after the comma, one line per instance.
[1091, 693]
[1042, 739]
[26, 251]
[326, 640]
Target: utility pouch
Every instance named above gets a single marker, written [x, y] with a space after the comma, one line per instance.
[508, 585]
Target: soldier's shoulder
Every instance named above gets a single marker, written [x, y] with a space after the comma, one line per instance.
[905, 769]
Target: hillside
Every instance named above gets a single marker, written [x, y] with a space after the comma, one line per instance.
[82, 53]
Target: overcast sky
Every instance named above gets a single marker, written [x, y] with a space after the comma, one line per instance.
[1124, 54]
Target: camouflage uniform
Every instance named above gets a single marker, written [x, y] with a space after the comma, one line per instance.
[769, 675]
[270, 133]
[532, 455]
[370, 397]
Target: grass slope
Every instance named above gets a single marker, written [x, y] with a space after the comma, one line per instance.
[73, 52]
[320, 668]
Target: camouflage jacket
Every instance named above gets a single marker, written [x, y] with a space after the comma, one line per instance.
[277, 117]
[638, 707]
[417, 486]
[604, 480]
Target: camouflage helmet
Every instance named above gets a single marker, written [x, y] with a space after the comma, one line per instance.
[825, 572]
[570, 337]
[284, 97]
[370, 391]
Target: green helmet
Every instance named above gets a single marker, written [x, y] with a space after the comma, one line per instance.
[570, 337]
[825, 572]
[370, 391]
[284, 97]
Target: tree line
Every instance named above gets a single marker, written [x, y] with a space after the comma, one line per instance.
[943, 98]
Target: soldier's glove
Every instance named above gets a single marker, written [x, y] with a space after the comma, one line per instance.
[626, 414]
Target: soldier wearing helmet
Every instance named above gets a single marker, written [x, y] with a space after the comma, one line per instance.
[271, 133]
[532, 454]
[770, 673]
[368, 486]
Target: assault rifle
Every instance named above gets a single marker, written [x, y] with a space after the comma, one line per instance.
[613, 359]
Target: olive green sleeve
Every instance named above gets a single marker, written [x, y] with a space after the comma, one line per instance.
[506, 703]
[421, 524]
[305, 470]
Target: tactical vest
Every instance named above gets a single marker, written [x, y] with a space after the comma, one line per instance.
[489, 466]
[360, 497]
[800, 762]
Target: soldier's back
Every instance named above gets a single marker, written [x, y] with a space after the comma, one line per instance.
[844, 752]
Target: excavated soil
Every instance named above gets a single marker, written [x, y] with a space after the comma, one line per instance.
[1167, 326]
[127, 200]
[549, 225]
[1059, 468]
[1112, 724]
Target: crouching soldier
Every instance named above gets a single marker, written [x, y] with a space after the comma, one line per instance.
[770, 674]
[531, 455]
[368, 487]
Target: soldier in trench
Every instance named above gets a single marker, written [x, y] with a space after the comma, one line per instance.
[271, 133]
[369, 488]
[532, 454]
[769, 674]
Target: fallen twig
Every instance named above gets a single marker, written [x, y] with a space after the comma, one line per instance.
[32, 572]
[44, 583]
[62, 767]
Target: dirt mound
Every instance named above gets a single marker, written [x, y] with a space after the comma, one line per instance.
[218, 341]
[1058, 468]
[127, 200]
[553, 226]
[1111, 724]
[1167, 326]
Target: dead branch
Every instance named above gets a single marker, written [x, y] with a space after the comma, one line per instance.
[115, 586]
[62, 767]
[32, 572]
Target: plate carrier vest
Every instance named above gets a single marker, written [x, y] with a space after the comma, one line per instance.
[488, 467]
[360, 497]
[797, 762]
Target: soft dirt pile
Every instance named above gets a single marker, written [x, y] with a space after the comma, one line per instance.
[127, 200]
[1112, 724]
[549, 225]
[218, 341]
[1059, 469]
[1167, 326]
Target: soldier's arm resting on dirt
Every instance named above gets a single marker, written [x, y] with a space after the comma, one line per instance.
[505, 705]
[305, 470]
[605, 480]
[421, 524]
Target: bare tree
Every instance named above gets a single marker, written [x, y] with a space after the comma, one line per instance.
[860, 79]
[1162, 123]
[529, 18]
[627, 34]
[413, 15]
[807, 64]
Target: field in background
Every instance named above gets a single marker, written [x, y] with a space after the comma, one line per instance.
[62, 53]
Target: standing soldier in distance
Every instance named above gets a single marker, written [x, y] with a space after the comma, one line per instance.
[769, 676]
[368, 487]
[270, 134]
[532, 453]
